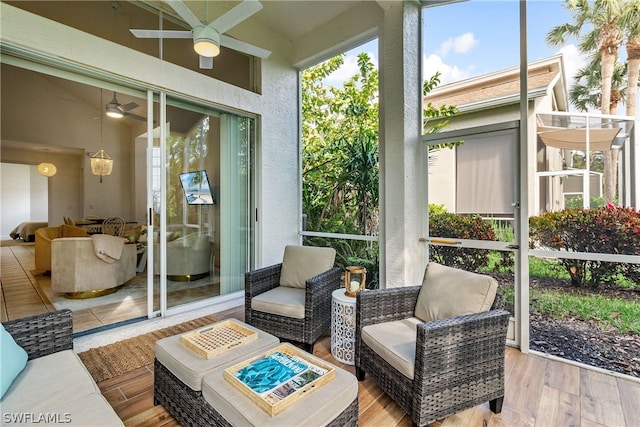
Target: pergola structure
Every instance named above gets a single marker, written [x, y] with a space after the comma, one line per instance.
[564, 133]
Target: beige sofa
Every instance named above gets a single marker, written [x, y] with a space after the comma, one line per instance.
[78, 272]
[54, 387]
[45, 235]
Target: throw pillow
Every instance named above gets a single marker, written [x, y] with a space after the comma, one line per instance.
[13, 359]
[300, 263]
[450, 292]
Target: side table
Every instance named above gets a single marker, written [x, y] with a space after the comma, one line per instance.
[343, 327]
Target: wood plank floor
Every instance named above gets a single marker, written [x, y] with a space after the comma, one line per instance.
[539, 391]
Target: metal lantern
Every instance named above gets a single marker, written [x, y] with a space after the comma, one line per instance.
[354, 280]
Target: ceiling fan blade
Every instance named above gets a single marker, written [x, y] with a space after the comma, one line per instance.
[162, 34]
[135, 116]
[244, 47]
[236, 15]
[206, 63]
[185, 13]
[130, 106]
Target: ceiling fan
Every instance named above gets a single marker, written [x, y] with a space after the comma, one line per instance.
[207, 38]
[116, 110]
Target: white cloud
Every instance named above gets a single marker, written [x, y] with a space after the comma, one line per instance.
[460, 44]
[448, 73]
[573, 60]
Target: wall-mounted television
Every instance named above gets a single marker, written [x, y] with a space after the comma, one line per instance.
[196, 188]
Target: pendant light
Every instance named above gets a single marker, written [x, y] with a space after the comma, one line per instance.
[45, 168]
[101, 163]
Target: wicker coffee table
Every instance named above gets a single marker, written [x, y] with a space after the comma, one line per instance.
[192, 389]
[179, 370]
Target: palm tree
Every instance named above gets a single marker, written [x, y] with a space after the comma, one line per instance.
[604, 35]
[585, 91]
[630, 22]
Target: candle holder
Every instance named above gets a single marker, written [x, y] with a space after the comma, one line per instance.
[354, 280]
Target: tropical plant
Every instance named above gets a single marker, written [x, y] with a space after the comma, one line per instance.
[630, 22]
[585, 93]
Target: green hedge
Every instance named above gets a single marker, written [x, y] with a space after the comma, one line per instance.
[607, 230]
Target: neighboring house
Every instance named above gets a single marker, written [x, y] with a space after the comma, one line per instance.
[479, 176]
[489, 108]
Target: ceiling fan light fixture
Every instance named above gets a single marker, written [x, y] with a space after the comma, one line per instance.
[114, 109]
[206, 41]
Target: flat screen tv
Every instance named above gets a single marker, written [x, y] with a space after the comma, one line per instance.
[196, 188]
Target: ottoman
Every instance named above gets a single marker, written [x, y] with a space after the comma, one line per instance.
[334, 403]
[178, 372]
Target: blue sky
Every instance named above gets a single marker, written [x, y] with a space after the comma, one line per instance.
[471, 38]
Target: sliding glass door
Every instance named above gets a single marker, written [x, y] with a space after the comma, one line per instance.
[201, 171]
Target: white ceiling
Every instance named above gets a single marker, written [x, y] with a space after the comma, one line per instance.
[289, 18]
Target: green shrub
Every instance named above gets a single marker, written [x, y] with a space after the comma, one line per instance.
[450, 226]
[607, 230]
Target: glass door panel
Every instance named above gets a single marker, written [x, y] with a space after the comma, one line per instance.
[473, 204]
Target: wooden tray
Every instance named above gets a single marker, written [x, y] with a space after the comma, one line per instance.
[216, 339]
[271, 403]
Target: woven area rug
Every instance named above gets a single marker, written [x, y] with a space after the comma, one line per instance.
[124, 356]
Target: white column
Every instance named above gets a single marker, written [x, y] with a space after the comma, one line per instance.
[402, 162]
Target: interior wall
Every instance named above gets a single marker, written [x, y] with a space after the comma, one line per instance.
[69, 117]
[23, 196]
[65, 188]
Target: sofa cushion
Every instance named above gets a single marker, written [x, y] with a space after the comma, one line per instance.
[282, 300]
[300, 263]
[450, 292]
[47, 382]
[395, 342]
[13, 359]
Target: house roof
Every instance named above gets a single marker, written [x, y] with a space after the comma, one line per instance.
[546, 77]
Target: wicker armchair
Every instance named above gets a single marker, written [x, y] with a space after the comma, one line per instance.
[292, 300]
[458, 362]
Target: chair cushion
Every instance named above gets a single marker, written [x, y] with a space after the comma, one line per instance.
[450, 292]
[281, 300]
[395, 342]
[300, 263]
[13, 359]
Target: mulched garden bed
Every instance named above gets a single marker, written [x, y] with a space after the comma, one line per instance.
[581, 341]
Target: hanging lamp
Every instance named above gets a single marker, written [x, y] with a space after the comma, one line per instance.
[101, 163]
[46, 168]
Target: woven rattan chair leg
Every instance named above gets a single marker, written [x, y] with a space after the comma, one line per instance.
[360, 374]
[308, 348]
[496, 405]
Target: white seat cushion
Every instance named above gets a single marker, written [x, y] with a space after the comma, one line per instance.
[395, 342]
[282, 300]
[300, 263]
[45, 382]
[450, 292]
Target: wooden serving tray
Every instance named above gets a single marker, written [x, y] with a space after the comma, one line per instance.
[216, 339]
[247, 377]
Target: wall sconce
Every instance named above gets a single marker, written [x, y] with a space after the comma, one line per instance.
[47, 169]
